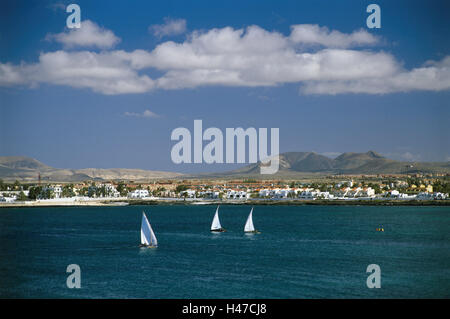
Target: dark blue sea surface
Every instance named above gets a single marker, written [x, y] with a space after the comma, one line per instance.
[302, 252]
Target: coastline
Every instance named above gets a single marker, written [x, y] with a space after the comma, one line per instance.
[265, 202]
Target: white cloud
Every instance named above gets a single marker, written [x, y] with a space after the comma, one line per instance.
[432, 76]
[12, 75]
[248, 57]
[102, 72]
[88, 35]
[254, 57]
[146, 113]
[313, 34]
[168, 28]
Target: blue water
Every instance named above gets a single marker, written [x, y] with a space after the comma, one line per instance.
[302, 252]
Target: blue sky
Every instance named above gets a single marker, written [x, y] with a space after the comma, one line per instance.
[68, 126]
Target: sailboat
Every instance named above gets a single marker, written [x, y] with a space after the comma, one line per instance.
[249, 227]
[215, 226]
[148, 238]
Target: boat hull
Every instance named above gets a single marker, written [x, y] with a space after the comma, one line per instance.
[252, 232]
[147, 246]
[220, 230]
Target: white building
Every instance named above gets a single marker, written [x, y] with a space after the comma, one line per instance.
[395, 193]
[406, 196]
[55, 189]
[190, 193]
[210, 194]
[264, 192]
[368, 192]
[354, 192]
[138, 193]
[307, 195]
[430, 196]
[341, 193]
[424, 196]
[324, 195]
[7, 199]
[440, 195]
[274, 192]
[232, 194]
[13, 193]
[111, 190]
[314, 194]
[282, 193]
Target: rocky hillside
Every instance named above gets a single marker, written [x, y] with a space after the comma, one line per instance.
[27, 169]
[294, 163]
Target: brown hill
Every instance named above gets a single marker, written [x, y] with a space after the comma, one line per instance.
[27, 169]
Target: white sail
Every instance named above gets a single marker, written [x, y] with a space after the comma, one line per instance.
[147, 235]
[249, 227]
[216, 222]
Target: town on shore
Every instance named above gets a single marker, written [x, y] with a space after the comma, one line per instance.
[328, 189]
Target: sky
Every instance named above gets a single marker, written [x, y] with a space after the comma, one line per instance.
[109, 94]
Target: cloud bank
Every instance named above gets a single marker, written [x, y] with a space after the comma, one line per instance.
[313, 34]
[88, 35]
[319, 60]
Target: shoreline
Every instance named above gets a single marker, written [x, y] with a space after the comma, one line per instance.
[267, 202]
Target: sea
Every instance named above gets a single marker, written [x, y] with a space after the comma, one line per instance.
[300, 252]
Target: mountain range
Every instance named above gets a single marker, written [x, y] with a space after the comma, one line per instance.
[292, 164]
[300, 163]
[28, 169]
